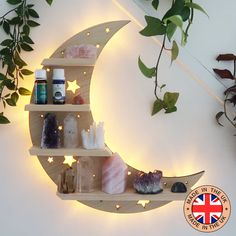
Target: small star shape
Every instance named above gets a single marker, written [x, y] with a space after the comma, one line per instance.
[69, 160]
[50, 160]
[72, 86]
[143, 203]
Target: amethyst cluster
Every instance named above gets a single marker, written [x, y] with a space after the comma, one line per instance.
[148, 183]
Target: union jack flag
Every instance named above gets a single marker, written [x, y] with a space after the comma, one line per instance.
[207, 208]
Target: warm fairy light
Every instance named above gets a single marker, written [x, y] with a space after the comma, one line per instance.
[78, 116]
[94, 176]
[88, 33]
[41, 116]
[50, 160]
[117, 207]
[129, 173]
[48, 70]
[98, 46]
[85, 73]
[107, 30]
[60, 127]
[72, 86]
[143, 203]
[62, 53]
[69, 160]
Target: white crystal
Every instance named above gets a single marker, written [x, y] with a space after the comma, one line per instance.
[71, 138]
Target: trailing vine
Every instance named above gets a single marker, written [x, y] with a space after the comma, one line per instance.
[179, 16]
[17, 24]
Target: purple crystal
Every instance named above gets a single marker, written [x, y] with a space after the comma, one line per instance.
[148, 182]
[50, 134]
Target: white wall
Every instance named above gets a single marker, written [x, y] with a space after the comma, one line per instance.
[181, 143]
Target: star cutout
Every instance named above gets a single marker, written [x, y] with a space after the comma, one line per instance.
[72, 86]
[69, 160]
[143, 203]
[50, 160]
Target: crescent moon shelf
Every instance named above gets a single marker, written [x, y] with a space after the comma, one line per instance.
[81, 70]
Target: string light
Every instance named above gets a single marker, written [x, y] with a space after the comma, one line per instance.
[107, 30]
[85, 73]
[129, 173]
[98, 46]
[48, 70]
[60, 127]
[117, 207]
[42, 116]
[88, 33]
[78, 116]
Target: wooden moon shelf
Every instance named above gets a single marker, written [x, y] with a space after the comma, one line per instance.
[52, 159]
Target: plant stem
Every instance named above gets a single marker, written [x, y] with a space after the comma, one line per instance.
[190, 21]
[157, 66]
[225, 110]
[2, 17]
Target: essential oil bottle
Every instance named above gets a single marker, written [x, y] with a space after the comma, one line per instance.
[58, 86]
[40, 88]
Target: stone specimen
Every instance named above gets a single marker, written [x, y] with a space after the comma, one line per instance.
[66, 181]
[114, 175]
[148, 183]
[178, 187]
[81, 51]
[78, 100]
[85, 175]
[50, 135]
[94, 137]
[71, 137]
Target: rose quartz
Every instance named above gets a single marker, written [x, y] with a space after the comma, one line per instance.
[114, 175]
[81, 51]
[78, 100]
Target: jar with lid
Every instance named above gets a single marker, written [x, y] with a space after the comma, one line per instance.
[40, 88]
[58, 86]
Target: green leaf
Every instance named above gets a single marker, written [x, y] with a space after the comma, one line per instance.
[154, 27]
[3, 119]
[18, 60]
[170, 110]
[26, 47]
[185, 14]
[170, 30]
[2, 76]
[10, 102]
[196, 6]
[174, 51]
[26, 29]
[24, 91]
[155, 4]
[32, 23]
[6, 27]
[27, 39]
[158, 105]
[176, 9]
[33, 13]
[6, 42]
[148, 72]
[14, 97]
[49, 2]
[176, 19]
[163, 86]
[26, 72]
[14, 2]
[218, 116]
[9, 84]
[170, 100]
[16, 20]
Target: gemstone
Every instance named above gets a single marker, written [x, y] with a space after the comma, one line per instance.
[50, 135]
[78, 100]
[71, 138]
[148, 183]
[178, 187]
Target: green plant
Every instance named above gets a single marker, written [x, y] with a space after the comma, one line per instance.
[179, 16]
[17, 24]
[230, 93]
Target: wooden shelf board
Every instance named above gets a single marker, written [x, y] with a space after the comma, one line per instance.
[37, 151]
[62, 108]
[69, 62]
[129, 195]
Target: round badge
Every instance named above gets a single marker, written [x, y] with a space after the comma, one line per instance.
[207, 208]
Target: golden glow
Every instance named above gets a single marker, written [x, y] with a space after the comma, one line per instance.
[107, 30]
[94, 176]
[85, 73]
[69, 160]
[143, 203]
[41, 116]
[117, 207]
[60, 128]
[129, 173]
[50, 160]
[98, 46]
[62, 53]
[72, 86]
[78, 116]
[48, 70]
[88, 33]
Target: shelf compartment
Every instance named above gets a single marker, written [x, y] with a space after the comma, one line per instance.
[64, 62]
[62, 108]
[129, 195]
[37, 151]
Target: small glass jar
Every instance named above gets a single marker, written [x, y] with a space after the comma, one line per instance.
[40, 88]
[58, 86]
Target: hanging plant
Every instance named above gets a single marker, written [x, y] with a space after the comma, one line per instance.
[230, 93]
[17, 24]
[179, 16]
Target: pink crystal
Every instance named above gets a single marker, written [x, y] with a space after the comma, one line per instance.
[78, 100]
[81, 51]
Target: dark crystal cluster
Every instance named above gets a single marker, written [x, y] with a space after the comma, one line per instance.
[148, 183]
